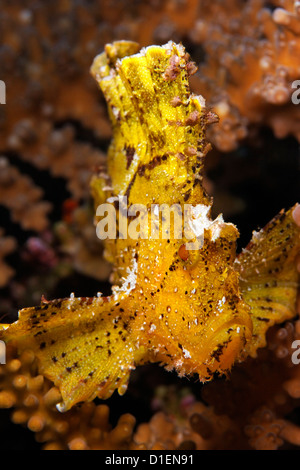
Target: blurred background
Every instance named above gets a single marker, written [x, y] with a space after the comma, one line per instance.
[54, 133]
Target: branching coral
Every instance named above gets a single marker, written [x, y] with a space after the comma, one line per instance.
[248, 411]
[55, 113]
[252, 59]
[33, 399]
[54, 119]
[80, 245]
[234, 38]
[7, 246]
[22, 197]
[226, 303]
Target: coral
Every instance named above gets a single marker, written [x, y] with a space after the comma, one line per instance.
[88, 346]
[7, 246]
[248, 56]
[22, 197]
[234, 38]
[246, 412]
[251, 292]
[198, 429]
[251, 60]
[55, 122]
[261, 415]
[79, 244]
[264, 430]
[34, 398]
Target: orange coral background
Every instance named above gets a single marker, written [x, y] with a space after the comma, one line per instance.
[54, 133]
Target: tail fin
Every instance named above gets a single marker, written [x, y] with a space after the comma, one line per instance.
[83, 345]
[269, 279]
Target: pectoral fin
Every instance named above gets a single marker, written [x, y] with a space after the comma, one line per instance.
[269, 279]
[84, 345]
